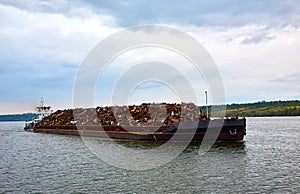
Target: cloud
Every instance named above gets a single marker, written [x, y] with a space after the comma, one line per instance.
[201, 12]
[257, 38]
[46, 35]
[247, 69]
[287, 79]
[43, 6]
[40, 52]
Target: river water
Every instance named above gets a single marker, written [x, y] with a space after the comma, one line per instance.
[267, 161]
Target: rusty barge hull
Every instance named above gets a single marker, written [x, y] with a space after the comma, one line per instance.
[239, 136]
[232, 130]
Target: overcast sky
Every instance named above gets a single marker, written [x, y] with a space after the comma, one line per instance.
[255, 44]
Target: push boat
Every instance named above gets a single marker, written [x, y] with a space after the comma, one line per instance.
[41, 111]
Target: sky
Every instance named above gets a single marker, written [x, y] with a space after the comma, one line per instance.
[255, 45]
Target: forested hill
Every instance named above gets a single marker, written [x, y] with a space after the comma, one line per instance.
[263, 108]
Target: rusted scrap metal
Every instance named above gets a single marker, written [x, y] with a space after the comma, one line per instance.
[146, 114]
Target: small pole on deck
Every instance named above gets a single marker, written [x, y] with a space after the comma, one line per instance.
[206, 104]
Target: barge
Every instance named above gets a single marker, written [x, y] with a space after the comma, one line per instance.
[136, 123]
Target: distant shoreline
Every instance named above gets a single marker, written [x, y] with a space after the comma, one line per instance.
[17, 117]
[256, 109]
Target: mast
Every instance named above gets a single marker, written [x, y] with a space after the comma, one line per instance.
[42, 102]
[206, 104]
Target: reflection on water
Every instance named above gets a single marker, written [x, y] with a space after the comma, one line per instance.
[192, 145]
[238, 145]
[138, 144]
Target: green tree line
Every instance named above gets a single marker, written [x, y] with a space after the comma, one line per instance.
[258, 109]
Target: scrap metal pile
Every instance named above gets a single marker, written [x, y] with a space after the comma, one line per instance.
[146, 114]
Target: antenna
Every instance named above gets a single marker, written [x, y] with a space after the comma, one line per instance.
[42, 102]
[206, 104]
